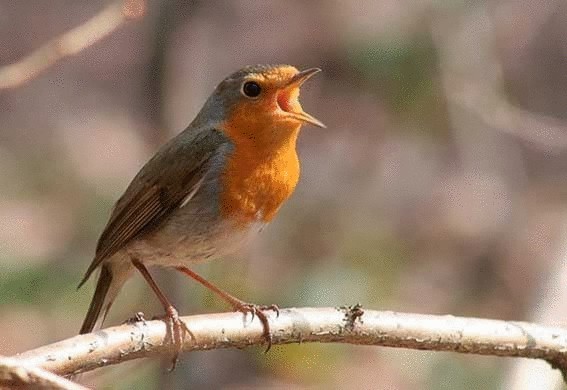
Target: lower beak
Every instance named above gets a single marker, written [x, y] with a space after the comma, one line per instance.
[305, 117]
[296, 82]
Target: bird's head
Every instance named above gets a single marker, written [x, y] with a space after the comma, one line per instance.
[262, 102]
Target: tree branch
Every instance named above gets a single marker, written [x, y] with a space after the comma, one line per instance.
[341, 325]
[14, 374]
[71, 43]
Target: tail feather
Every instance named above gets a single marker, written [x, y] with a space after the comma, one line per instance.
[99, 300]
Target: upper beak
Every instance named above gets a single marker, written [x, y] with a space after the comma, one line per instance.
[298, 80]
[302, 76]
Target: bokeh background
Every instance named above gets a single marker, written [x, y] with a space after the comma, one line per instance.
[440, 185]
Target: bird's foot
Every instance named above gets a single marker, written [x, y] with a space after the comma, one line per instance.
[177, 330]
[258, 311]
[237, 304]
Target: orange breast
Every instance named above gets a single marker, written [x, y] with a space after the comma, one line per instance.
[260, 174]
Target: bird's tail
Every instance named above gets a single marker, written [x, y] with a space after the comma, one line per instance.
[112, 277]
[100, 300]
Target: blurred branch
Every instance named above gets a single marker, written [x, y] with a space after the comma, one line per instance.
[13, 374]
[71, 43]
[542, 131]
[474, 84]
[340, 325]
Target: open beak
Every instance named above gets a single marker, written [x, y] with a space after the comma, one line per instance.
[295, 83]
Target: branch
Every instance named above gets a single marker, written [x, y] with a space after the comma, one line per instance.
[341, 325]
[70, 43]
[14, 374]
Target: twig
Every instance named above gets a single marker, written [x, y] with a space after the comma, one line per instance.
[341, 325]
[71, 42]
[473, 80]
[14, 374]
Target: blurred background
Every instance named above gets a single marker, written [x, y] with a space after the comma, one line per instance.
[440, 185]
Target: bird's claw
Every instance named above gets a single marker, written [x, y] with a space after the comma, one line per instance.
[258, 311]
[177, 330]
[254, 309]
[273, 308]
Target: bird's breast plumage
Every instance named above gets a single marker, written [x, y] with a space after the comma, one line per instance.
[253, 191]
[255, 184]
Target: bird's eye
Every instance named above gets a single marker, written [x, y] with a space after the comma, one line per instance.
[251, 89]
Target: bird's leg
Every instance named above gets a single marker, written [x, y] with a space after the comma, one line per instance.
[237, 304]
[177, 328]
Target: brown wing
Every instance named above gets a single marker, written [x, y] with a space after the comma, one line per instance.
[172, 176]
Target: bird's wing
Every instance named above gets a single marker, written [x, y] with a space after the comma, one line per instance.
[167, 181]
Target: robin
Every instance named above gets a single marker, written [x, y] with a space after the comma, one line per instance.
[206, 190]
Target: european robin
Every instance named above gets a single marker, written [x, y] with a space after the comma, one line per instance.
[206, 190]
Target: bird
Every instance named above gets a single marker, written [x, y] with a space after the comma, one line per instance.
[206, 191]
